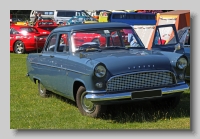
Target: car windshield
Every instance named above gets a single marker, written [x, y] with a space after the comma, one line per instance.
[29, 30]
[105, 39]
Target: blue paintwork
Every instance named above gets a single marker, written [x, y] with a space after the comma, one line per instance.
[58, 72]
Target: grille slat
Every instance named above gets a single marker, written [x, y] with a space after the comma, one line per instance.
[140, 80]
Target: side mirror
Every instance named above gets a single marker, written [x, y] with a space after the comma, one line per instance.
[177, 47]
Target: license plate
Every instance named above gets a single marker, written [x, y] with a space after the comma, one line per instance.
[146, 94]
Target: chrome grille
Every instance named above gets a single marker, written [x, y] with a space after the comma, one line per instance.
[140, 80]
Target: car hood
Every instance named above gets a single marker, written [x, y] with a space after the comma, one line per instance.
[123, 61]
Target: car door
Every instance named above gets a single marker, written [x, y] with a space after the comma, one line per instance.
[46, 61]
[166, 38]
[185, 40]
[60, 65]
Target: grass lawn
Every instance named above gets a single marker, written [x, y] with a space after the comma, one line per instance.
[29, 111]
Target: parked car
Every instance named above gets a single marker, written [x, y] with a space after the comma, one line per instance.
[179, 43]
[25, 38]
[95, 76]
[60, 16]
[45, 26]
[81, 20]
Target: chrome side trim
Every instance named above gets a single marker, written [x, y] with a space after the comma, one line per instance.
[59, 68]
[125, 95]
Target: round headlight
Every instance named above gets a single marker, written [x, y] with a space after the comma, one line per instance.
[100, 71]
[182, 63]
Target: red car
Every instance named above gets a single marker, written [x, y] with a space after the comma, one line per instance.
[25, 38]
[45, 26]
[100, 38]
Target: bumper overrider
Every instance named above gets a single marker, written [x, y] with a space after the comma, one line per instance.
[103, 97]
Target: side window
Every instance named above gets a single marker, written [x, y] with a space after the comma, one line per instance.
[61, 14]
[187, 40]
[51, 44]
[78, 14]
[70, 14]
[13, 31]
[163, 36]
[63, 44]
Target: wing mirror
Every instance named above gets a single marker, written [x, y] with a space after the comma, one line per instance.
[177, 47]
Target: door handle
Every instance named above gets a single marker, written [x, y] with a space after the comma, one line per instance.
[51, 56]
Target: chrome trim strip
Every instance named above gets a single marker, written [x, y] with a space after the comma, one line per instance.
[59, 68]
[125, 95]
[96, 92]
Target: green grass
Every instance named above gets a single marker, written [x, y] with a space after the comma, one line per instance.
[29, 111]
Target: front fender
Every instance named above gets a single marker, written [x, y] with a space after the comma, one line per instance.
[173, 57]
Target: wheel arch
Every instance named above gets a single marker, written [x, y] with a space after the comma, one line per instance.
[76, 86]
[36, 79]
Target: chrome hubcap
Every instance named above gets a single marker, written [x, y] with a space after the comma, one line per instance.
[87, 105]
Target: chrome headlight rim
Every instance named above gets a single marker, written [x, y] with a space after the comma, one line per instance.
[182, 63]
[100, 71]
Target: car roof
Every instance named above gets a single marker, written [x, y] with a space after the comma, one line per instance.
[78, 27]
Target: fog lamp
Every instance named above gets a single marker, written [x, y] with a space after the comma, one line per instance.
[181, 76]
[99, 85]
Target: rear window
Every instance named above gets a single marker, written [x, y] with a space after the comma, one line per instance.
[66, 14]
[48, 28]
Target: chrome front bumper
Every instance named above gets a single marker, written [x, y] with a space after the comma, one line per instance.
[104, 96]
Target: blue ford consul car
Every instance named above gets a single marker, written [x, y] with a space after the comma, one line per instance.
[100, 64]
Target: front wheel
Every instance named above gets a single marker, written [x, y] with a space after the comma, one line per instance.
[86, 107]
[19, 47]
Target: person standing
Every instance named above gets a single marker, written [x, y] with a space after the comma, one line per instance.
[39, 16]
[35, 18]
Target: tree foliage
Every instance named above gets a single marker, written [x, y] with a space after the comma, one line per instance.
[20, 11]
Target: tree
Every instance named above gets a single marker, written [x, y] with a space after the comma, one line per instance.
[20, 11]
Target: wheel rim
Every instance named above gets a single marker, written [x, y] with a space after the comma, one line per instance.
[19, 48]
[87, 105]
